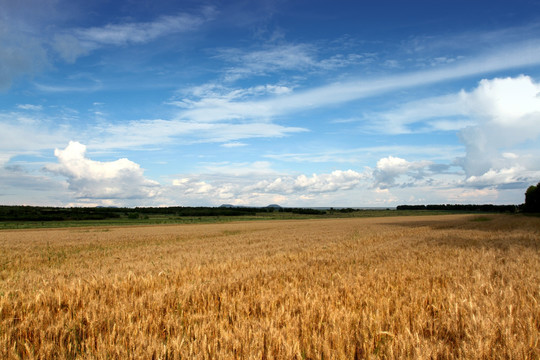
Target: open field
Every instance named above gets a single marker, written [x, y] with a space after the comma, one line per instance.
[169, 219]
[452, 286]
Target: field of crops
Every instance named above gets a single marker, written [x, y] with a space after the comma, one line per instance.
[456, 286]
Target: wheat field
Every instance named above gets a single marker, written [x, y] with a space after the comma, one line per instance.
[432, 287]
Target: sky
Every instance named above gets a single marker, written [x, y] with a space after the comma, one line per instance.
[298, 103]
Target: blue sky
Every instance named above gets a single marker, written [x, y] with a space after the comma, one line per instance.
[300, 103]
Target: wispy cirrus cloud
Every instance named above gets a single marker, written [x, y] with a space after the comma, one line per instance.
[30, 107]
[71, 44]
[92, 86]
[450, 47]
[286, 57]
[158, 131]
[218, 92]
[216, 109]
[432, 152]
[233, 144]
[269, 59]
[29, 132]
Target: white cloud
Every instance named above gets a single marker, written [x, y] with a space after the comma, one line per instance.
[337, 188]
[271, 59]
[446, 113]
[391, 168]
[217, 93]
[495, 121]
[190, 186]
[158, 131]
[241, 187]
[214, 102]
[517, 176]
[371, 153]
[122, 34]
[90, 86]
[460, 44]
[507, 112]
[506, 101]
[90, 179]
[285, 57]
[337, 180]
[30, 107]
[195, 191]
[233, 144]
[21, 133]
[29, 133]
[256, 183]
[77, 42]
[211, 108]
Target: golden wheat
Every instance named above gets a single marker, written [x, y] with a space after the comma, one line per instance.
[425, 287]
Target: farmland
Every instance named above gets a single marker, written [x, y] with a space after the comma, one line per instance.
[419, 287]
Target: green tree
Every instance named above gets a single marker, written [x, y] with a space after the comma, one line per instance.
[532, 199]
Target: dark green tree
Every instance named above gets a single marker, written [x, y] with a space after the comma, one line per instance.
[532, 199]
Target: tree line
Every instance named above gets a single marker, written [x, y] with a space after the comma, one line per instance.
[532, 199]
[44, 213]
[463, 207]
[41, 213]
[531, 205]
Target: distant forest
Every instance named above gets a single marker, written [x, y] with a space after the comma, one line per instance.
[39, 213]
[467, 207]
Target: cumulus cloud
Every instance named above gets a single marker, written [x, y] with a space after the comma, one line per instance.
[513, 177]
[301, 185]
[197, 190]
[507, 112]
[337, 180]
[496, 122]
[191, 186]
[393, 179]
[90, 179]
[391, 168]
